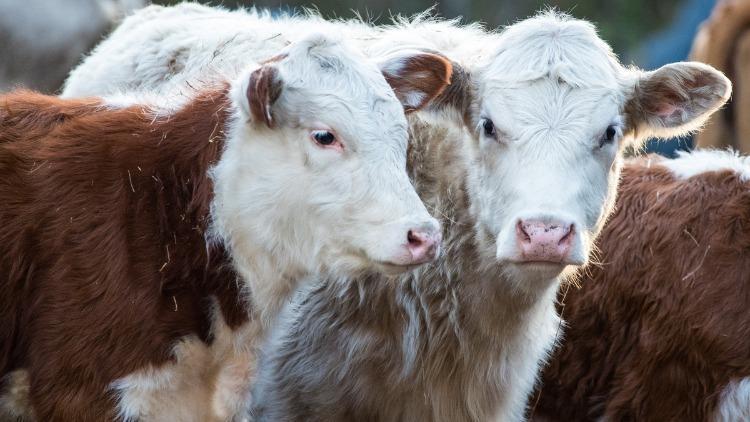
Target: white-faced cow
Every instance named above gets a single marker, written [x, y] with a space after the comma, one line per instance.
[522, 177]
[135, 238]
[660, 331]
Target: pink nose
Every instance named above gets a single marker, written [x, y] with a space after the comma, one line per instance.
[423, 244]
[544, 242]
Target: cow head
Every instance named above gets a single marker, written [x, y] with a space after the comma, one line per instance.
[552, 112]
[314, 170]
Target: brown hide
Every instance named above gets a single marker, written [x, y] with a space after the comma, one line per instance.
[658, 329]
[104, 261]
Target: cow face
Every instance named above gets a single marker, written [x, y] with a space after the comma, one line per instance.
[554, 110]
[316, 171]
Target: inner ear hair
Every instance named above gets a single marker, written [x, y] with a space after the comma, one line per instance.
[263, 89]
[679, 96]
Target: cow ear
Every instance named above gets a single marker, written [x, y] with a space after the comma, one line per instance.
[416, 77]
[676, 99]
[263, 89]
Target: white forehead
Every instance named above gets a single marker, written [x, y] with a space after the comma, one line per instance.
[547, 107]
[553, 45]
[326, 80]
[551, 73]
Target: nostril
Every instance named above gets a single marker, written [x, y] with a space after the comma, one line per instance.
[414, 238]
[568, 236]
[522, 233]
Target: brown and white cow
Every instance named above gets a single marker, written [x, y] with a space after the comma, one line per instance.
[660, 329]
[133, 236]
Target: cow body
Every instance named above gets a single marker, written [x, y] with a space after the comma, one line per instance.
[105, 260]
[658, 331]
[138, 236]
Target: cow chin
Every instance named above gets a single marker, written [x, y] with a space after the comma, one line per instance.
[390, 269]
[362, 263]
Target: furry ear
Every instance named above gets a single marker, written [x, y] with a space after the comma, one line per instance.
[263, 89]
[416, 77]
[677, 98]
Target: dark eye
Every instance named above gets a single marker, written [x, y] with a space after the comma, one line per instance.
[324, 137]
[609, 136]
[489, 128]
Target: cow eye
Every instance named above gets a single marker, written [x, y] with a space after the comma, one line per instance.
[489, 128]
[324, 137]
[609, 135]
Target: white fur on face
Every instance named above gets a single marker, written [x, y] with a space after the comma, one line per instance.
[319, 209]
[547, 162]
[551, 109]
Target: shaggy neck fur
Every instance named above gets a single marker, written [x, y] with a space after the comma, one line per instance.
[278, 248]
[487, 319]
[452, 340]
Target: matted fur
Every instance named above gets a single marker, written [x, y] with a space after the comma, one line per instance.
[105, 264]
[659, 331]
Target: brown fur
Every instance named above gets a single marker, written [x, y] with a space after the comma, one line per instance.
[458, 95]
[103, 250]
[262, 91]
[428, 73]
[658, 330]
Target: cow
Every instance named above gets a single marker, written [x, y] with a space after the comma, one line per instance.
[137, 235]
[521, 169]
[658, 331]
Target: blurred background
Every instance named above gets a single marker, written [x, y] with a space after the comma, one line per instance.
[44, 39]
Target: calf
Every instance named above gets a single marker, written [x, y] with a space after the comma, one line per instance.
[522, 176]
[135, 238]
[659, 331]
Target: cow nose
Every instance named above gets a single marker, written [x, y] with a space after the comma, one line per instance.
[540, 241]
[423, 243]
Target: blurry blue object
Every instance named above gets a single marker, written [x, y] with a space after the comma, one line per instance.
[669, 147]
[672, 44]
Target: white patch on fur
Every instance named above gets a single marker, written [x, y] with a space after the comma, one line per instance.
[689, 164]
[203, 383]
[524, 356]
[154, 105]
[734, 403]
[15, 401]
